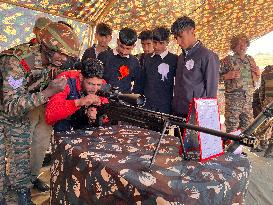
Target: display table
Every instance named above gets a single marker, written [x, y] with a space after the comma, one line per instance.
[110, 166]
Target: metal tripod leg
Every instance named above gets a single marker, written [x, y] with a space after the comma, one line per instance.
[185, 156]
[166, 124]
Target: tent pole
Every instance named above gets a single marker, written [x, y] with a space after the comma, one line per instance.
[91, 35]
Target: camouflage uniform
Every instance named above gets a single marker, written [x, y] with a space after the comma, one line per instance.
[266, 96]
[40, 131]
[23, 77]
[238, 92]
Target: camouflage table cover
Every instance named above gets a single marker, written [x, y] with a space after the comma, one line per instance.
[109, 166]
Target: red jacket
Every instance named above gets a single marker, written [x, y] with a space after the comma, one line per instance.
[58, 107]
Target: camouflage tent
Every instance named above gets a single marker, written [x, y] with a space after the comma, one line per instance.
[217, 20]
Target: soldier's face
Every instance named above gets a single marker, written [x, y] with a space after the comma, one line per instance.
[58, 59]
[241, 47]
[91, 85]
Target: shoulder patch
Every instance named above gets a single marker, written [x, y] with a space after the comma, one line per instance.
[15, 83]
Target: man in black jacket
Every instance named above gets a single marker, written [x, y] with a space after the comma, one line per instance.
[197, 73]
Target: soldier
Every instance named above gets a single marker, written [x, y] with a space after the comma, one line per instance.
[240, 75]
[26, 70]
[39, 25]
[266, 97]
[40, 131]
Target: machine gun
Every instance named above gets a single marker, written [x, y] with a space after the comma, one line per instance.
[128, 108]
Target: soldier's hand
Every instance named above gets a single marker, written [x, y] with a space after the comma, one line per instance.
[232, 75]
[90, 99]
[55, 86]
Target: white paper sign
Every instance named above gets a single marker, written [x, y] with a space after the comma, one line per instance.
[208, 117]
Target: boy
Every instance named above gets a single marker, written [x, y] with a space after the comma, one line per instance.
[75, 106]
[120, 67]
[158, 73]
[197, 73]
[146, 38]
[103, 36]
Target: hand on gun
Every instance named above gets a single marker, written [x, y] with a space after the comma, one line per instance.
[88, 100]
[91, 113]
[55, 86]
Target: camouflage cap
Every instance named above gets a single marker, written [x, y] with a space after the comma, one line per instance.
[60, 38]
[42, 22]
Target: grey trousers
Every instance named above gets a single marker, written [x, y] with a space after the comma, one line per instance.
[40, 134]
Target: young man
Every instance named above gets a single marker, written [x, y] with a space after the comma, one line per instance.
[103, 37]
[78, 96]
[146, 38]
[120, 67]
[158, 73]
[197, 72]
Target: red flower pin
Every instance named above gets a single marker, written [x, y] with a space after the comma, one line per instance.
[124, 71]
[25, 65]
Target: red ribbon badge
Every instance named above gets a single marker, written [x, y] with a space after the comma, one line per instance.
[124, 71]
[25, 65]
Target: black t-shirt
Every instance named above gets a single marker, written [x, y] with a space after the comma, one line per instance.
[91, 52]
[120, 71]
[158, 81]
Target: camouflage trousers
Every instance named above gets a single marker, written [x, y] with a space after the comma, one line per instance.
[238, 110]
[40, 135]
[264, 132]
[14, 143]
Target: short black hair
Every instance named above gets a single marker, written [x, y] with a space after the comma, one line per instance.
[92, 67]
[70, 64]
[103, 29]
[181, 24]
[146, 35]
[67, 24]
[127, 36]
[161, 34]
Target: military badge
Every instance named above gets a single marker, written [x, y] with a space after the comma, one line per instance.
[15, 83]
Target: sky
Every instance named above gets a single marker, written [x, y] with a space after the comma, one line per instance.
[263, 44]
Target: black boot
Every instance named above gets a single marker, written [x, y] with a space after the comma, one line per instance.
[40, 185]
[47, 160]
[3, 202]
[24, 197]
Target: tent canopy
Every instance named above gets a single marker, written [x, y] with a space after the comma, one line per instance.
[216, 20]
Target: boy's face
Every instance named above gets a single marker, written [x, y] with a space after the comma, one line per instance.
[124, 50]
[147, 46]
[103, 41]
[91, 85]
[186, 38]
[160, 46]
